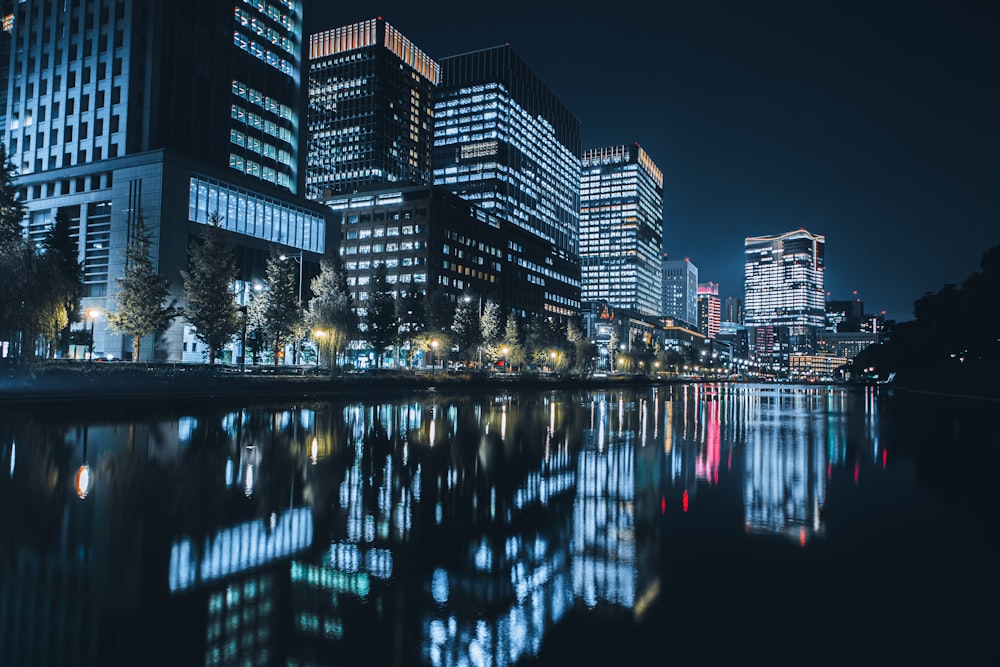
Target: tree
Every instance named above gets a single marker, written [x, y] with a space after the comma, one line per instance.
[512, 342]
[281, 307]
[65, 272]
[466, 327]
[584, 350]
[438, 313]
[380, 314]
[211, 306]
[491, 328]
[13, 256]
[331, 310]
[142, 293]
[410, 316]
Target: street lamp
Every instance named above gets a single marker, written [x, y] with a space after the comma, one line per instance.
[434, 344]
[92, 314]
[506, 367]
[319, 335]
[552, 363]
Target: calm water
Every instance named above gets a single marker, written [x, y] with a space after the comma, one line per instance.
[703, 523]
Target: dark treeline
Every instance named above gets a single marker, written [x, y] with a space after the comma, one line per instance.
[956, 327]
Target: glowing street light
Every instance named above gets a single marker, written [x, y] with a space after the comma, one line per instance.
[319, 335]
[93, 314]
[506, 367]
[434, 344]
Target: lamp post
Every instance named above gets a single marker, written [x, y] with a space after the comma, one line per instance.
[506, 367]
[552, 363]
[92, 314]
[301, 260]
[434, 344]
[319, 336]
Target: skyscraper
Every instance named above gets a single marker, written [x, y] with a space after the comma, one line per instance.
[370, 109]
[784, 294]
[621, 228]
[504, 141]
[158, 114]
[680, 290]
[709, 309]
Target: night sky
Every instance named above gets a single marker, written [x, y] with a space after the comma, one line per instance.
[872, 123]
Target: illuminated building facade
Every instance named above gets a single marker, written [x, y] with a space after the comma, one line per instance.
[621, 228]
[6, 29]
[371, 114]
[119, 126]
[709, 309]
[431, 239]
[784, 295]
[680, 291]
[505, 142]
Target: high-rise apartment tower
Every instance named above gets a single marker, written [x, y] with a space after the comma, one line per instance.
[784, 294]
[621, 228]
[503, 140]
[159, 114]
[371, 114]
[680, 291]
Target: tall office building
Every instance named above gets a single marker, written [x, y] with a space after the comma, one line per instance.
[784, 294]
[621, 228]
[371, 114]
[709, 309]
[680, 290]
[732, 310]
[505, 142]
[160, 113]
[6, 30]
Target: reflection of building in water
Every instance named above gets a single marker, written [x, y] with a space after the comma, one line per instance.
[241, 622]
[614, 513]
[604, 523]
[240, 548]
[784, 483]
[512, 582]
[46, 611]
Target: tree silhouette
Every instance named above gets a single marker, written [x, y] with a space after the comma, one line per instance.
[142, 298]
[211, 307]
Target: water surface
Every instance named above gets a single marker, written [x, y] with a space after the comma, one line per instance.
[700, 522]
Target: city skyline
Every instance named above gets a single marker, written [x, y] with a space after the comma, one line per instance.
[845, 123]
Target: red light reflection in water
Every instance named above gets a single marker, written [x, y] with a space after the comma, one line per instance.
[706, 465]
[884, 454]
[802, 536]
[663, 504]
[856, 472]
[684, 501]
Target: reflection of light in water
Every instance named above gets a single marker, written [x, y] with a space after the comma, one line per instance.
[315, 450]
[239, 548]
[439, 586]
[83, 481]
[503, 422]
[185, 428]
[784, 482]
[432, 429]
[230, 469]
[668, 427]
[248, 480]
[13, 457]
